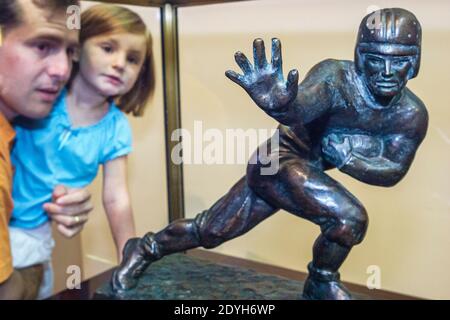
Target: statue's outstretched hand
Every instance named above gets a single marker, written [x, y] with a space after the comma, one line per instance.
[264, 81]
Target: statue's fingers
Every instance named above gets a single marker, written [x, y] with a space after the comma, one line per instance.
[236, 77]
[292, 81]
[277, 61]
[259, 54]
[243, 62]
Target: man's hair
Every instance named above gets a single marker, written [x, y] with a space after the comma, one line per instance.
[11, 12]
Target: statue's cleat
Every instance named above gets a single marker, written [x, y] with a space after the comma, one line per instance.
[319, 290]
[324, 285]
[135, 261]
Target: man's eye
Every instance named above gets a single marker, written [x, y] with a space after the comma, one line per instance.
[43, 47]
[72, 53]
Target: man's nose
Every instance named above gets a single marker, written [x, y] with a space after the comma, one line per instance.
[387, 68]
[59, 66]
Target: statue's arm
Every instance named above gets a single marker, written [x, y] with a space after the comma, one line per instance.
[388, 168]
[381, 170]
[314, 98]
[284, 100]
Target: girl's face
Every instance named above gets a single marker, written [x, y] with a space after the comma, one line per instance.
[111, 63]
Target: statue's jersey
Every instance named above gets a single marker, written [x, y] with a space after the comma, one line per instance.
[347, 108]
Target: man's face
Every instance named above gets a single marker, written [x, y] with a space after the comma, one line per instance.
[35, 61]
[386, 75]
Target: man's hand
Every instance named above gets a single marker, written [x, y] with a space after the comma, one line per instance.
[69, 209]
[264, 81]
[337, 149]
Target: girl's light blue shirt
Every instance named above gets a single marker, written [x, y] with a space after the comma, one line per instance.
[50, 152]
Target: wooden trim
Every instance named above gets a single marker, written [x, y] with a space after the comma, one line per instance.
[161, 3]
[188, 3]
[143, 3]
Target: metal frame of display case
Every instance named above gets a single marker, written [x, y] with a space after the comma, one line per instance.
[171, 87]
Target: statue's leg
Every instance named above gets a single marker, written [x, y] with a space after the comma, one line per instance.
[231, 216]
[306, 191]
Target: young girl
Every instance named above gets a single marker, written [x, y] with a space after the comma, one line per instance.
[86, 129]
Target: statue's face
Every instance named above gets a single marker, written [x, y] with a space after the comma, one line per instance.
[386, 74]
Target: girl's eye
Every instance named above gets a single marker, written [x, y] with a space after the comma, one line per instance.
[107, 49]
[133, 60]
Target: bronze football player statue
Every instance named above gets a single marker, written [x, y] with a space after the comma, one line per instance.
[357, 116]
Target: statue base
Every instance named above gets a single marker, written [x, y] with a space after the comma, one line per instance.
[183, 277]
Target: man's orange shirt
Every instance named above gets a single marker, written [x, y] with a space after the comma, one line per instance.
[7, 135]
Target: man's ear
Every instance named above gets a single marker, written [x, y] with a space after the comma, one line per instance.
[3, 33]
